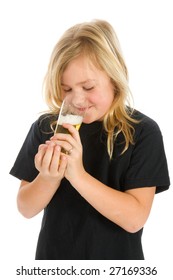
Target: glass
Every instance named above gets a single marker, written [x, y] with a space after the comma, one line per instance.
[71, 114]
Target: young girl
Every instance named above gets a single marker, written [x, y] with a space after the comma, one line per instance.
[97, 196]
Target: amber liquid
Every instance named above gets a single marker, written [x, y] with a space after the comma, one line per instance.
[61, 129]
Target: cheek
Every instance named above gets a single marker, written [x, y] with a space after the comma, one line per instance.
[102, 102]
[96, 98]
[93, 99]
[101, 99]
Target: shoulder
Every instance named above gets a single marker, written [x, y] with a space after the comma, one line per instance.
[45, 121]
[42, 127]
[146, 125]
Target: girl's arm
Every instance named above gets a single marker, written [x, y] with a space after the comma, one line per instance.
[34, 196]
[129, 209]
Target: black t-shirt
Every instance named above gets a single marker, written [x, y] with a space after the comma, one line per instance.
[71, 228]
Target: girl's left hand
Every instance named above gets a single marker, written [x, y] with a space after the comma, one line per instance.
[71, 143]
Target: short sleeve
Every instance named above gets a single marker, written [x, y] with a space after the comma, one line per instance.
[148, 163]
[24, 167]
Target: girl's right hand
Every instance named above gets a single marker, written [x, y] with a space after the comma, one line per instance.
[50, 162]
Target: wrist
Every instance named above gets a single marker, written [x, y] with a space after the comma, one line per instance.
[48, 181]
[78, 179]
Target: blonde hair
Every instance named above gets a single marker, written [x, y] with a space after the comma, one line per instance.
[98, 41]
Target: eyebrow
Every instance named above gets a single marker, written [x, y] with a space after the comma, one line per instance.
[80, 83]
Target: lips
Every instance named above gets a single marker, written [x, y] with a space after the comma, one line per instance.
[82, 109]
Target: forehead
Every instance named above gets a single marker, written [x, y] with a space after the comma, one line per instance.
[81, 69]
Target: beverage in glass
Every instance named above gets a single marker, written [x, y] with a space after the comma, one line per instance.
[71, 114]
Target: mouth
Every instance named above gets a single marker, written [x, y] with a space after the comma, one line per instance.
[82, 109]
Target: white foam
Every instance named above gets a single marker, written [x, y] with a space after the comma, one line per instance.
[71, 119]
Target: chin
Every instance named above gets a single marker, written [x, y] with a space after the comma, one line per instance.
[88, 120]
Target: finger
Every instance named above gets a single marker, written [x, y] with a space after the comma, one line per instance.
[73, 131]
[42, 146]
[63, 164]
[39, 156]
[66, 142]
[48, 156]
[55, 159]
[68, 138]
[65, 146]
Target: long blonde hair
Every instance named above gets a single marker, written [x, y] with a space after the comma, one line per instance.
[98, 41]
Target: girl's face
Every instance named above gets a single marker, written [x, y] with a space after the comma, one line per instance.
[88, 85]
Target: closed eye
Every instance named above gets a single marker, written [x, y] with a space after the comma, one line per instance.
[67, 90]
[87, 89]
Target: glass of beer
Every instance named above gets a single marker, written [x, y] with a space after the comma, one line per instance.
[71, 114]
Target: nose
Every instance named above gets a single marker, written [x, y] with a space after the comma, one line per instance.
[79, 99]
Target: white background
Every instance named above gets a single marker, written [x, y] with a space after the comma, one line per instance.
[28, 32]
